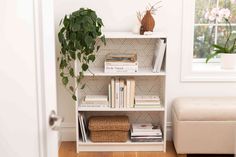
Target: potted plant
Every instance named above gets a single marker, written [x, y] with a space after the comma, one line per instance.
[78, 36]
[228, 49]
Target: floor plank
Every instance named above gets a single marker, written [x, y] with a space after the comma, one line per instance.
[68, 149]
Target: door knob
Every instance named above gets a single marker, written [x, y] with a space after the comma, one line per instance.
[55, 121]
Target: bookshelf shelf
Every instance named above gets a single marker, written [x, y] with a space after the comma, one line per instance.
[130, 35]
[146, 83]
[126, 146]
[141, 72]
[120, 109]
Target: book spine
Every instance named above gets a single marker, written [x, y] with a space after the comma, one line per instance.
[121, 64]
[113, 92]
[162, 53]
[128, 93]
[125, 96]
[156, 53]
[132, 93]
[117, 89]
[120, 71]
[109, 95]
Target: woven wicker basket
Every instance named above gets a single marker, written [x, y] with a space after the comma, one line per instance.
[109, 128]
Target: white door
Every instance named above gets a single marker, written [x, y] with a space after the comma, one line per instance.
[27, 79]
[46, 66]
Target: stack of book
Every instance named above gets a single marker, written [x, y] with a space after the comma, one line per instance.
[83, 127]
[159, 55]
[121, 93]
[121, 63]
[146, 132]
[147, 101]
[95, 101]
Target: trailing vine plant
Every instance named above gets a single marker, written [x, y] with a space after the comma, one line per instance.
[80, 31]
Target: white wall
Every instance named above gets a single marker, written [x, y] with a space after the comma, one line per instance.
[18, 102]
[120, 15]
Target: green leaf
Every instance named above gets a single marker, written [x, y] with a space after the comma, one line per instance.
[88, 40]
[62, 74]
[220, 47]
[71, 88]
[78, 80]
[91, 58]
[79, 56]
[73, 36]
[99, 21]
[71, 71]
[77, 45]
[84, 67]
[72, 54]
[63, 64]
[83, 86]
[103, 39]
[98, 47]
[74, 97]
[60, 22]
[210, 56]
[65, 80]
[66, 22]
[233, 47]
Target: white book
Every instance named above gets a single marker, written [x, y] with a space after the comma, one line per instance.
[81, 128]
[95, 102]
[156, 53]
[146, 127]
[122, 83]
[96, 98]
[117, 92]
[125, 96]
[93, 105]
[120, 63]
[147, 97]
[159, 55]
[132, 93]
[161, 59]
[146, 133]
[147, 103]
[120, 69]
[128, 92]
[113, 92]
[109, 95]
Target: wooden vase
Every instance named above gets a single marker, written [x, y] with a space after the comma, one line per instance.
[148, 22]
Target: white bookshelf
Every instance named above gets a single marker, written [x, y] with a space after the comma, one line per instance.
[120, 109]
[147, 71]
[130, 35]
[147, 82]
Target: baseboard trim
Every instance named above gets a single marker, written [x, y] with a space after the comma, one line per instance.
[68, 133]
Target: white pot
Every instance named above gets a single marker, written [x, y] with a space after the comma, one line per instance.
[228, 61]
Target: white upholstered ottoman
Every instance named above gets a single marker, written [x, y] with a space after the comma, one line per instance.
[204, 125]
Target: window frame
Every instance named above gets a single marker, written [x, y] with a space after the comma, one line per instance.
[210, 72]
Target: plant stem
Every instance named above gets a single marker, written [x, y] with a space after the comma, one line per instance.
[230, 32]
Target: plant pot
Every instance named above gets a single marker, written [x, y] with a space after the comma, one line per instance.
[148, 22]
[228, 61]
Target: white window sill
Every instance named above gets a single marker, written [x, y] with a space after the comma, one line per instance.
[211, 72]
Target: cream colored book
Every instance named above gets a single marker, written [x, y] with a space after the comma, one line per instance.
[125, 96]
[132, 92]
[117, 92]
[128, 92]
[113, 93]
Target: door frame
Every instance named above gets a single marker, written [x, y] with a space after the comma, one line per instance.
[41, 28]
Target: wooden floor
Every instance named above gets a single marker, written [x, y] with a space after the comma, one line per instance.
[67, 149]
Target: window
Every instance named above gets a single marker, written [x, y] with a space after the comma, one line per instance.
[207, 32]
[197, 36]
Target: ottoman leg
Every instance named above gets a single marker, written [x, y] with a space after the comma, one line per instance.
[181, 155]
